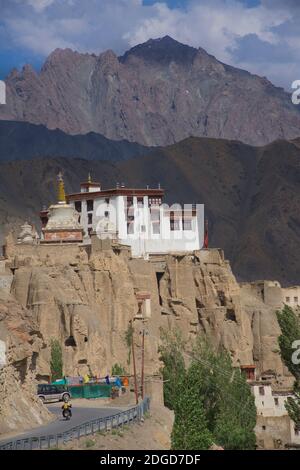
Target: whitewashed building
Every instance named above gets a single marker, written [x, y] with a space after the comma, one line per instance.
[273, 421]
[138, 218]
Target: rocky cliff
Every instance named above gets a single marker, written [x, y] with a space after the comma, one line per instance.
[158, 93]
[86, 299]
[21, 344]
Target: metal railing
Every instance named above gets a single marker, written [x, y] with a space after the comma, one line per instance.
[103, 424]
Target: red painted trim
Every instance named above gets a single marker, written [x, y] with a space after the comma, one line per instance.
[117, 192]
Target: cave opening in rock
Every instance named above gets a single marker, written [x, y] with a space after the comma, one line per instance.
[199, 304]
[222, 298]
[159, 276]
[70, 341]
[21, 367]
[230, 314]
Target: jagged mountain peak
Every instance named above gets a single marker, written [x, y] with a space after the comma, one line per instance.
[165, 49]
[157, 93]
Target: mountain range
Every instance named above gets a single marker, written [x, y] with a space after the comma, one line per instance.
[25, 141]
[251, 195]
[157, 93]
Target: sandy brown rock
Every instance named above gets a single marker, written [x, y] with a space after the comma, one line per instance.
[19, 406]
[87, 300]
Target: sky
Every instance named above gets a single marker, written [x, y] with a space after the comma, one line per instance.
[262, 36]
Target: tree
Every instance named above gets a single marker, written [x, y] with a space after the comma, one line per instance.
[289, 324]
[118, 369]
[128, 340]
[211, 399]
[56, 361]
[190, 431]
[228, 402]
[173, 370]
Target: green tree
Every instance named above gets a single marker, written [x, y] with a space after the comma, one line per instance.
[212, 400]
[289, 324]
[228, 402]
[128, 340]
[56, 361]
[190, 431]
[173, 370]
[118, 369]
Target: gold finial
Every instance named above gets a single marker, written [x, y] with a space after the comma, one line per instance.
[89, 178]
[61, 195]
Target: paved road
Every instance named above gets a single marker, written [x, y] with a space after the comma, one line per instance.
[80, 415]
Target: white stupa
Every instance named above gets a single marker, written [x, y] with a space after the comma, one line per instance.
[63, 220]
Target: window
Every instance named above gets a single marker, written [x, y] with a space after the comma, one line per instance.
[187, 224]
[276, 401]
[297, 431]
[90, 219]
[296, 300]
[156, 228]
[106, 214]
[154, 201]
[90, 205]
[78, 206]
[107, 200]
[143, 228]
[287, 299]
[174, 224]
[263, 428]
[140, 201]
[130, 227]
[262, 390]
[129, 201]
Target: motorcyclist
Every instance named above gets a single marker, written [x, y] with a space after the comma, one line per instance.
[66, 409]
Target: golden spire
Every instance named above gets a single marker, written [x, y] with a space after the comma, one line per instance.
[89, 178]
[61, 195]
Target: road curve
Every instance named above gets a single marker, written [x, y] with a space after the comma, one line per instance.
[80, 415]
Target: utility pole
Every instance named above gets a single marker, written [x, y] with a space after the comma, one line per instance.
[134, 366]
[143, 364]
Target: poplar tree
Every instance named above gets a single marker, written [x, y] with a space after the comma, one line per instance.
[289, 323]
[56, 361]
[190, 431]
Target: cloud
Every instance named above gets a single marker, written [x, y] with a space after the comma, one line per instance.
[40, 5]
[263, 38]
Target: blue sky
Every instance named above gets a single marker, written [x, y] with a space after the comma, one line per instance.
[262, 36]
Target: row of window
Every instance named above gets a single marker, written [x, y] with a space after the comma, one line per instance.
[296, 430]
[89, 205]
[140, 203]
[288, 299]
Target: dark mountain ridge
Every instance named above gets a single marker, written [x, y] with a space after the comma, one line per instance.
[25, 141]
[251, 195]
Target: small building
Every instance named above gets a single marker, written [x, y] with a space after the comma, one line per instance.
[249, 371]
[291, 296]
[138, 218]
[274, 428]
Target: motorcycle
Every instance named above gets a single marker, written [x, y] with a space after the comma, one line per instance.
[67, 413]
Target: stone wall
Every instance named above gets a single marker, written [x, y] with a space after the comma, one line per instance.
[273, 432]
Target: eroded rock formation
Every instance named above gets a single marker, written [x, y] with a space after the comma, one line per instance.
[21, 345]
[86, 299]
